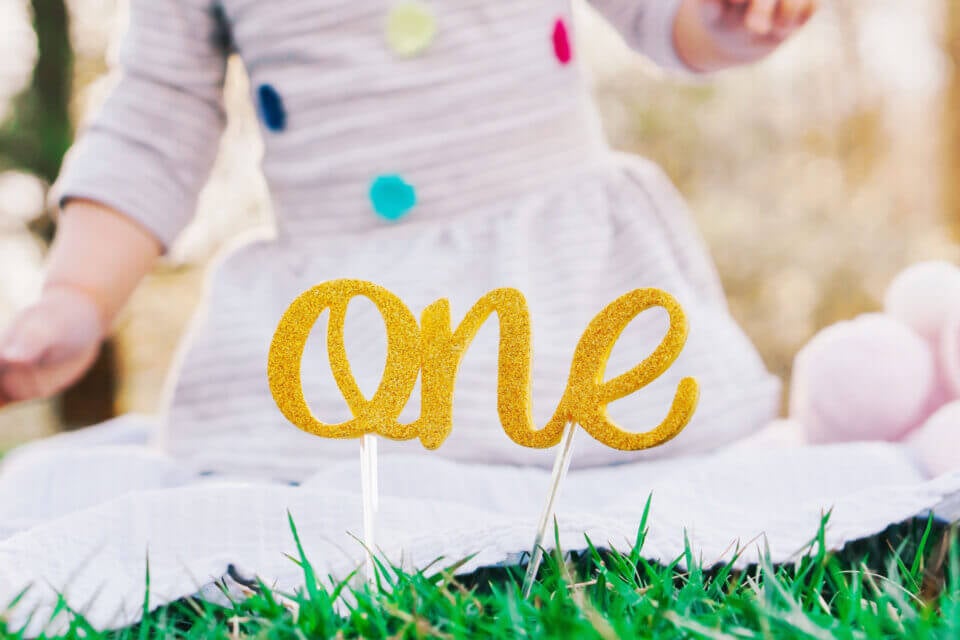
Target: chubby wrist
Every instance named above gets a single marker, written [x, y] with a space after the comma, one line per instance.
[715, 37]
[99, 254]
[78, 293]
[694, 42]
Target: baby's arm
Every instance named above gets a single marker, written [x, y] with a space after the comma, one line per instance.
[96, 262]
[706, 35]
[128, 187]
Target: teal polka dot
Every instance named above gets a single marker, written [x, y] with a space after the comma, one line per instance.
[392, 197]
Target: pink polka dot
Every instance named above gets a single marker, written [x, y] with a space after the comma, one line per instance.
[561, 42]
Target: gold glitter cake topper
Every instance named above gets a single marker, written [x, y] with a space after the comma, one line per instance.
[434, 350]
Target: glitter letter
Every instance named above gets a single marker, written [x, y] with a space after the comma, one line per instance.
[587, 395]
[377, 415]
[443, 350]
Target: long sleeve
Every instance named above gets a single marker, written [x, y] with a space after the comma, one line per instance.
[647, 27]
[149, 150]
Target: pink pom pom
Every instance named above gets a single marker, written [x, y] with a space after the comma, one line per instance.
[937, 443]
[779, 434]
[950, 353]
[922, 297]
[867, 379]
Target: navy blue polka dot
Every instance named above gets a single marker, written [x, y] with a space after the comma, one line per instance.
[270, 108]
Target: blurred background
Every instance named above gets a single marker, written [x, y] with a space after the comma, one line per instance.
[814, 177]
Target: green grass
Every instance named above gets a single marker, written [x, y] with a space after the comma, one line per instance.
[904, 583]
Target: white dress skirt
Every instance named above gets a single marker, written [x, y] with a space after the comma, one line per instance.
[492, 128]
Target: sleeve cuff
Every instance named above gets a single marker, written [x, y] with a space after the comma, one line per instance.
[648, 27]
[128, 177]
[655, 35]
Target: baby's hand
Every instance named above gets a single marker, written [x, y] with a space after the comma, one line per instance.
[747, 30]
[50, 345]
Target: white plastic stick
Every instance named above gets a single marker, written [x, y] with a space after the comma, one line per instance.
[560, 465]
[371, 500]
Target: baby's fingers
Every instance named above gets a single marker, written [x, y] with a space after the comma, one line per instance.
[760, 16]
[31, 354]
[44, 378]
[793, 14]
[26, 342]
[23, 382]
[49, 346]
[23, 348]
[4, 398]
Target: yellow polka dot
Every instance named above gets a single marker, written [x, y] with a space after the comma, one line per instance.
[411, 27]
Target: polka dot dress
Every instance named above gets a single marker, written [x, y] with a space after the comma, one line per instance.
[440, 148]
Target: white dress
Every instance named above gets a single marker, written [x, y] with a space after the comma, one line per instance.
[489, 134]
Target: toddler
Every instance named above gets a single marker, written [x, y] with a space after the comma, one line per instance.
[441, 149]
